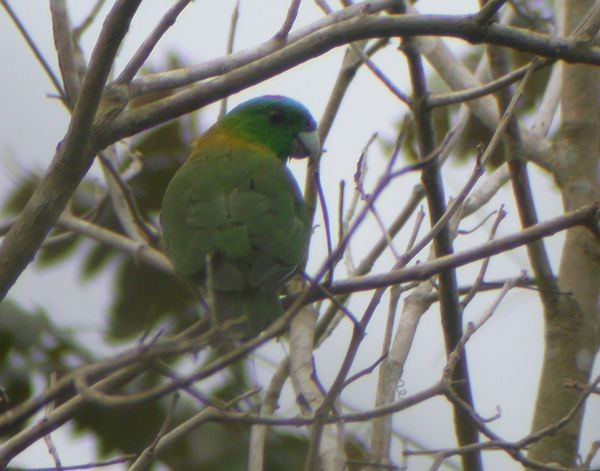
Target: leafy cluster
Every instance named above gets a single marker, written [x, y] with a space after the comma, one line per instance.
[144, 299]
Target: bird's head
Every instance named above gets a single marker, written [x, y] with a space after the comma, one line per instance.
[280, 123]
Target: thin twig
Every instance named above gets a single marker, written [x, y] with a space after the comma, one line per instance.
[48, 437]
[203, 399]
[519, 175]
[123, 367]
[290, 18]
[323, 5]
[340, 208]
[359, 176]
[378, 73]
[268, 406]
[450, 211]
[453, 98]
[35, 50]
[417, 226]
[215, 67]
[489, 10]
[474, 327]
[94, 465]
[580, 217]
[477, 226]
[514, 448]
[71, 63]
[146, 458]
[141, 55]
[123, 198]
[88, 20]
[365, 371]
[482, 270]
[325, 326]
[379, 220]
[412, 204]
[335, 302]
[594, 448]
[358, 331]
[326, 223]
[344, 78]
[235, 16]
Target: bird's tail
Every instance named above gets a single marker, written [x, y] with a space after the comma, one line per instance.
[250, 310]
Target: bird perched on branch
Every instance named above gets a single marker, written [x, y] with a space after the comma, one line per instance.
[233, 216]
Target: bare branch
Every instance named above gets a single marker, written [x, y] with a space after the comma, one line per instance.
[378, 73]
[550, 101]
[101, 117]
[182, 77]
[73, 158]
[358, 331]
[519, 174]
[514, 448]
[123, 201]
[308, 393]
[70, 60]
[345, 76]
[268, 406]
[486, 191]
[582, 216]
[403, 216]
[459, 77]
[311, 42]
[450, 311]
[414, 306]
[579, 270]
[139, 251]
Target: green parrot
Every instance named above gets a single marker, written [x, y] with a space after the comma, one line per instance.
[235, 204]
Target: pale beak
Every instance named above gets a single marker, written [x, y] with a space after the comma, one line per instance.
[309, 145]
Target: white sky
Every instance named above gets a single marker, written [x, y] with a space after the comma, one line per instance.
[504, 356]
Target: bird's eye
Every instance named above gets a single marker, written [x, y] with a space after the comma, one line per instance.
[276, 115]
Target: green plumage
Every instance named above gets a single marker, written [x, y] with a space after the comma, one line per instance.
[235, 202]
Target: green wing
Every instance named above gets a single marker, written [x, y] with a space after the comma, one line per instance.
[243, 207]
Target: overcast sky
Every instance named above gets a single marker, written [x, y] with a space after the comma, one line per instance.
[504, 356]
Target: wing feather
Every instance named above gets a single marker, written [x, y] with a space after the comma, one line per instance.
[243, 206]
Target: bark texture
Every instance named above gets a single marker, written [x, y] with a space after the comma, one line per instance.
[572, 324]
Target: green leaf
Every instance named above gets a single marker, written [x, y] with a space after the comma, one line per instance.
[18, 327]
[96, 260]
[16, 386]
[129, 429]
[144, 296]
[18, 197]
[161, 151]
[58, 250]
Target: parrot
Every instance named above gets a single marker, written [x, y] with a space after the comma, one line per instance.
[233, 218]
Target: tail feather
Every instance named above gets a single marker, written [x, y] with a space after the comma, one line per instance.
[252, 310]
